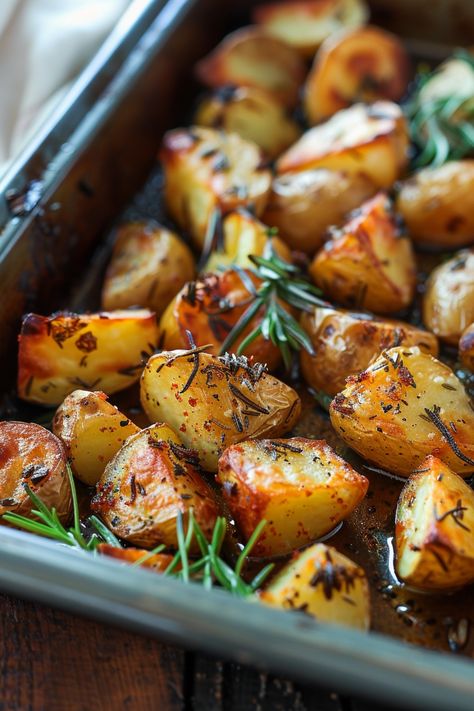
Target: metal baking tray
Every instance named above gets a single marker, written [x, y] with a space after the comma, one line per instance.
[57, 203]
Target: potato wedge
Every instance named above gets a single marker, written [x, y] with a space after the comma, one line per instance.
[325, 584]
[251, 113]
[92, 430]
[305, 24]
[448, 303]
[405, 406]
[58, 354]
[434, 529]
[466, 348]
[150, 479]
[214, 402]
[207, 170]
[364, 64]
[300, 486]
[149, 265]
[31, 455]
[368, 264]
[157, 562]
[251, 57]
[372, 140]
[344, 344]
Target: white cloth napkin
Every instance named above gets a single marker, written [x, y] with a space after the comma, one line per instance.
[43, 45]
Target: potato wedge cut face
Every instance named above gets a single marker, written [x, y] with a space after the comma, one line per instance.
[435, 529]
[299, 486]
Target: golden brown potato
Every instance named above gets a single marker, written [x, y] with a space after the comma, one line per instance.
[31, 455]
[304, 205]
[251, 57]
[448, 303]
[344, 344]
[137, 556]
[207, 170]
[434, 529]
[92, 431]
[150, 479]
[368, 264]
[466, 348]
[372, 140]
[299, 486]
[305, 24]
[214, 402]
[149, 266]
[324, 584]
[254, 114]
[437, 205]
[405, 406]
[364, 64]
[60, 353]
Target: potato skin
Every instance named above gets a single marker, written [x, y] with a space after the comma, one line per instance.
[368, 264]
[437, 205]
[158, 562]
[30, 454]
[150, 479]
[345, 343]
[92, 430]
[434, 524]
[448, 303]
[466, 348]
[325, 584]
[59, 353]
[226, 401]
[300, 486]
[304, 205]
[387, 413]
[149, 265]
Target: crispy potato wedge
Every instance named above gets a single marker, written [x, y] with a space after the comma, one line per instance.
[466, 348]
[149, 265]
[300, 486]
[150, 479]
[372, 140]
[207, 170]
[214, 402]
[437, 205]
[405, 406]
[92, 430]
[252, 57]
[364, 64]
[30, 454]
[368, 264]
[434, 529]
[344, 344]
[305, 24]
[254, 114]
[157, 562]
[325, 584]
[448, 303]
[304, 205]
[58, 354]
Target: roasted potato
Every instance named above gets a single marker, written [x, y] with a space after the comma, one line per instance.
[252, 57]
[150, 479]
[368, 264]
[305, 24]
[448, 303]
[304, 205]
[434, 529]
[344, 344]
[324, 584]
[466, 348]
[207, 170]
[60, 353]
[254, 114]
[372, 140]
[214, 402]
[405, 406]
[149, 266]
[300, 486]
[31, 455]
[137, 556]
[92, 431]
[364, 64]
